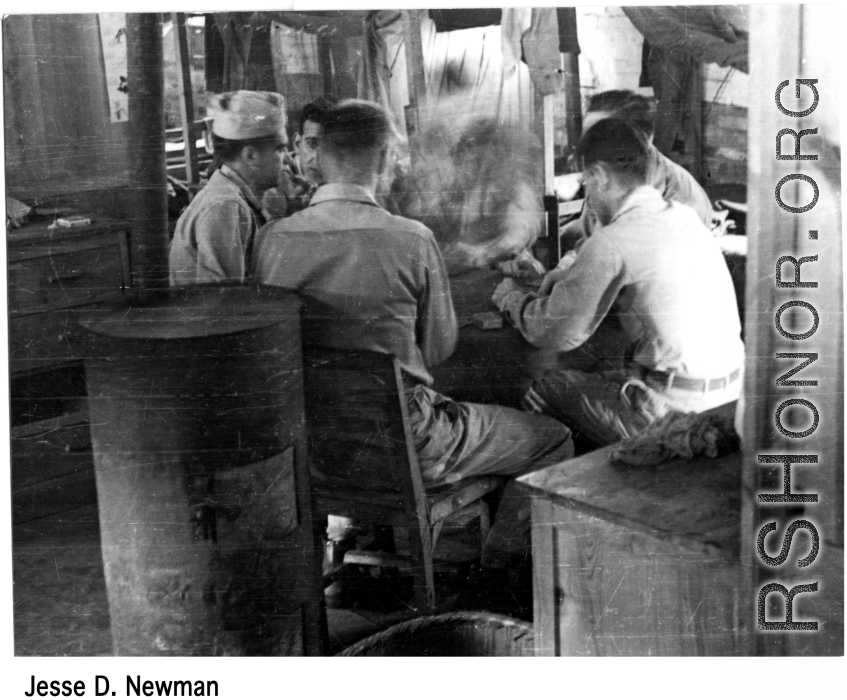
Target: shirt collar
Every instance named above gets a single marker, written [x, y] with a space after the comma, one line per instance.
[228, 172]
[342, 191]
[642, 196]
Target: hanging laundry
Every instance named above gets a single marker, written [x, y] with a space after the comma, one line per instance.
[540, 44]
[515, 23]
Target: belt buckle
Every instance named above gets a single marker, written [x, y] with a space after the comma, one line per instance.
[720, 383]
[669, 380]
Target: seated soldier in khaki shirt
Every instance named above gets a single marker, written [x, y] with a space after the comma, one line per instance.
[375, 281]
[213, 239]
[655, 264]
[672, 181]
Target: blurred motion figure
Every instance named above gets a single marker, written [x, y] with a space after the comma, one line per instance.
[477, 184]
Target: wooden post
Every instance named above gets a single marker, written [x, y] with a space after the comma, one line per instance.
[146, 151]
[545, 118]
[416, 76]
[696, 121]
[573, 99]
[325, 62]
[551, 202]
[549, 142]
[186, 102]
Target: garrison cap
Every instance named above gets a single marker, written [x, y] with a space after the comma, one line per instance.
[245, 114]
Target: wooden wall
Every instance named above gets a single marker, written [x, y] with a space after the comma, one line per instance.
[58, 134]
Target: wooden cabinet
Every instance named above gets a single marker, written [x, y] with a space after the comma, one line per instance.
[640, 561]
[52, 275]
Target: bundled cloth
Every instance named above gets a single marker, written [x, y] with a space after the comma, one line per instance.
[16, 213]
[677, 434]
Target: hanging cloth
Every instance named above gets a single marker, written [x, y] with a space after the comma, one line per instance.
[540, 44]
[374, 71]
[237, 32]
[247, 59]
[678, 84]
[515, 22]
[454, 20]
[532, 34]
[708, 33]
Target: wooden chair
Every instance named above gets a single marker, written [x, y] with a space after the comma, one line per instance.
[365, 466]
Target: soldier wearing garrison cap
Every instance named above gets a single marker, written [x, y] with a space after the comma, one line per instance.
[213, 240]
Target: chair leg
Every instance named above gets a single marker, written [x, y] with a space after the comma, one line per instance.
[436, 531]
[422, 566]
[484, 522]
[425, 584]
[401, 540]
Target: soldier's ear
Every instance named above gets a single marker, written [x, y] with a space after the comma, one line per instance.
[383, 160]
[602, 174]
[249, 153]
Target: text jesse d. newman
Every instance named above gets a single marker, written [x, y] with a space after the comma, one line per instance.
[135, 687]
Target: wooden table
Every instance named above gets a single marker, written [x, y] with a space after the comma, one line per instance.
[496, 366]
[492, 366]
[637, 561]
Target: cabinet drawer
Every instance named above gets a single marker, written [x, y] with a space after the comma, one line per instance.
[67, 279]
[52, 467]
[42, 339]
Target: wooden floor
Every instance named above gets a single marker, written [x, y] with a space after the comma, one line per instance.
[61, 609]
[60, 606]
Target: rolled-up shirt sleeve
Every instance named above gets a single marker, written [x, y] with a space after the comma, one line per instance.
[437, 330]
[577, 304]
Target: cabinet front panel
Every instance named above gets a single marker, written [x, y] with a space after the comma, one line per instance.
[66, 280]
[42, 339]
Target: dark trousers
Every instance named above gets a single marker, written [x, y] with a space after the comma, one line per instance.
[456, 440]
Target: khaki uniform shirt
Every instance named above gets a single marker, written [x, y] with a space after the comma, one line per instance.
[663, 272]
[678, 185]
[372, 280]
[214, 236]
[674, 183]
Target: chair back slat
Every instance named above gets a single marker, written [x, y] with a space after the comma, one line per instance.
[360, 437]
[357, 422]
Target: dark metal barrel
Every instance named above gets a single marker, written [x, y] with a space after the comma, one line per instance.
[196, 409]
